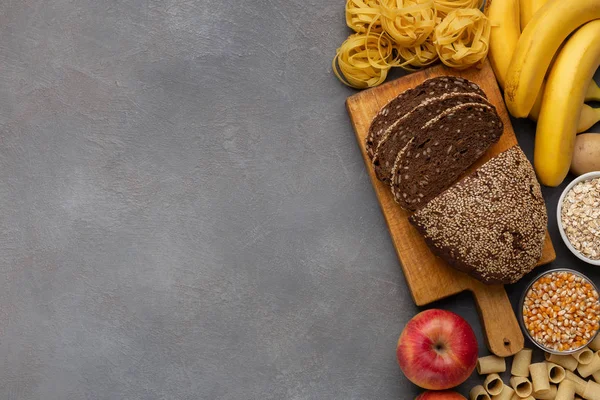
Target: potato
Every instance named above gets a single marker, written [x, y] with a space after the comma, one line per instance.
[586, 155]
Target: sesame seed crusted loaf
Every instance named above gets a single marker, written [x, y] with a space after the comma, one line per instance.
[442, 150]
[492, 224]
[409, 99]
[409, 125]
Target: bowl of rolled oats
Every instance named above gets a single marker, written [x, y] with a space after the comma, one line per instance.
[578, 215]
[560, 311]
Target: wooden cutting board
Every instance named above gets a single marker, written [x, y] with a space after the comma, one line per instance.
[430, 278]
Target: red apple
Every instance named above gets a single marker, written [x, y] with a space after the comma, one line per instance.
[437, 350]
[443, 395]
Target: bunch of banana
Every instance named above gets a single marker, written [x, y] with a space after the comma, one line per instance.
[527, 42]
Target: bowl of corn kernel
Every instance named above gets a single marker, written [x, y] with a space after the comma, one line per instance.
[560, 311]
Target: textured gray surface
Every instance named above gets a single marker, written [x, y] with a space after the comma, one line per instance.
[184, 210]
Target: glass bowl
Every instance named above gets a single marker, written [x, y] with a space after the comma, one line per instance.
[522, 302]
[563, 235]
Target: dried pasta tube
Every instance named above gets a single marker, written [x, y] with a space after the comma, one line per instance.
[584, 356]
[490, 365]
[520, 364]
[596, 376]
[579, 382]
[566, 390]
[539, 377]
[479, 393]
[493, 384]
[556, 373]
[595, 344]
[568, 362]
[506, 394]
[548, 394]
[591, 391]
[521, 385]
[586, 370]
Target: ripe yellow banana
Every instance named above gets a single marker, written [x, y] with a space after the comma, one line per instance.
[505, 32]
[564, 94]
[528, 9]
[589, 115]
[537, 45]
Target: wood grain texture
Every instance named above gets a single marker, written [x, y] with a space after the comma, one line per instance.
[429, 277]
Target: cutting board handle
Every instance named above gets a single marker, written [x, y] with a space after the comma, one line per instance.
[502, 331]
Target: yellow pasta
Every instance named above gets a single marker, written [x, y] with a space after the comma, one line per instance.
[417, 57]
[363, 15]
[595, 344]
[443, 7]
[584, 356]
[408, 22]
[520, 364]
[591, 391]
[490, 365]
[493, 384]
[479, 393]
[521, 385]
[586, 370]
[556, 373]
[364, 60]
[579, 382]
[567, 361]
[462, 38]
[566, 390]
[539, 377]
[547, 394]
[596, 376]
[506, 394]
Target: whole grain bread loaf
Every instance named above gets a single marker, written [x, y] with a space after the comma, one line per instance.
[409, 125]
[411, 98]
[492, 224]
[442, 150]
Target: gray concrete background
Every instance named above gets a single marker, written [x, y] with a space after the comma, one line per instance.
[184, 211]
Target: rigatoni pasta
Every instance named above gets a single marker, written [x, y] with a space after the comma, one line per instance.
[479, 393]
[566, 361]
[493, 384]
[566, 390]
[595, 344]
[586, 370]
[539, 377]
[548, 394]
[520, 364]
[521, 385]
[490, 365]
[584, 356]
[556, 373]
[580, 383]
[596, 376]
[506, 394]
[591, 391]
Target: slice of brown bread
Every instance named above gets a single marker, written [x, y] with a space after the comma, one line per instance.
[442, 151]
[407, 126]
[409, 99]
[492, 224]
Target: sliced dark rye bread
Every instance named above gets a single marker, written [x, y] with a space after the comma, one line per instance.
[492, 224]
[409, 99]
[407, 126]
[441, 151]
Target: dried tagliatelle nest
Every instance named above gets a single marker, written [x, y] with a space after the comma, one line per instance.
[404, 33]
[443, 7]
[408, 22]
[462, 38]
[364, 59]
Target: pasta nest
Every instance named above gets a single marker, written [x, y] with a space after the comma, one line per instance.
[364, 59]
[462, 38]
[443, 7]
[408, 22]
